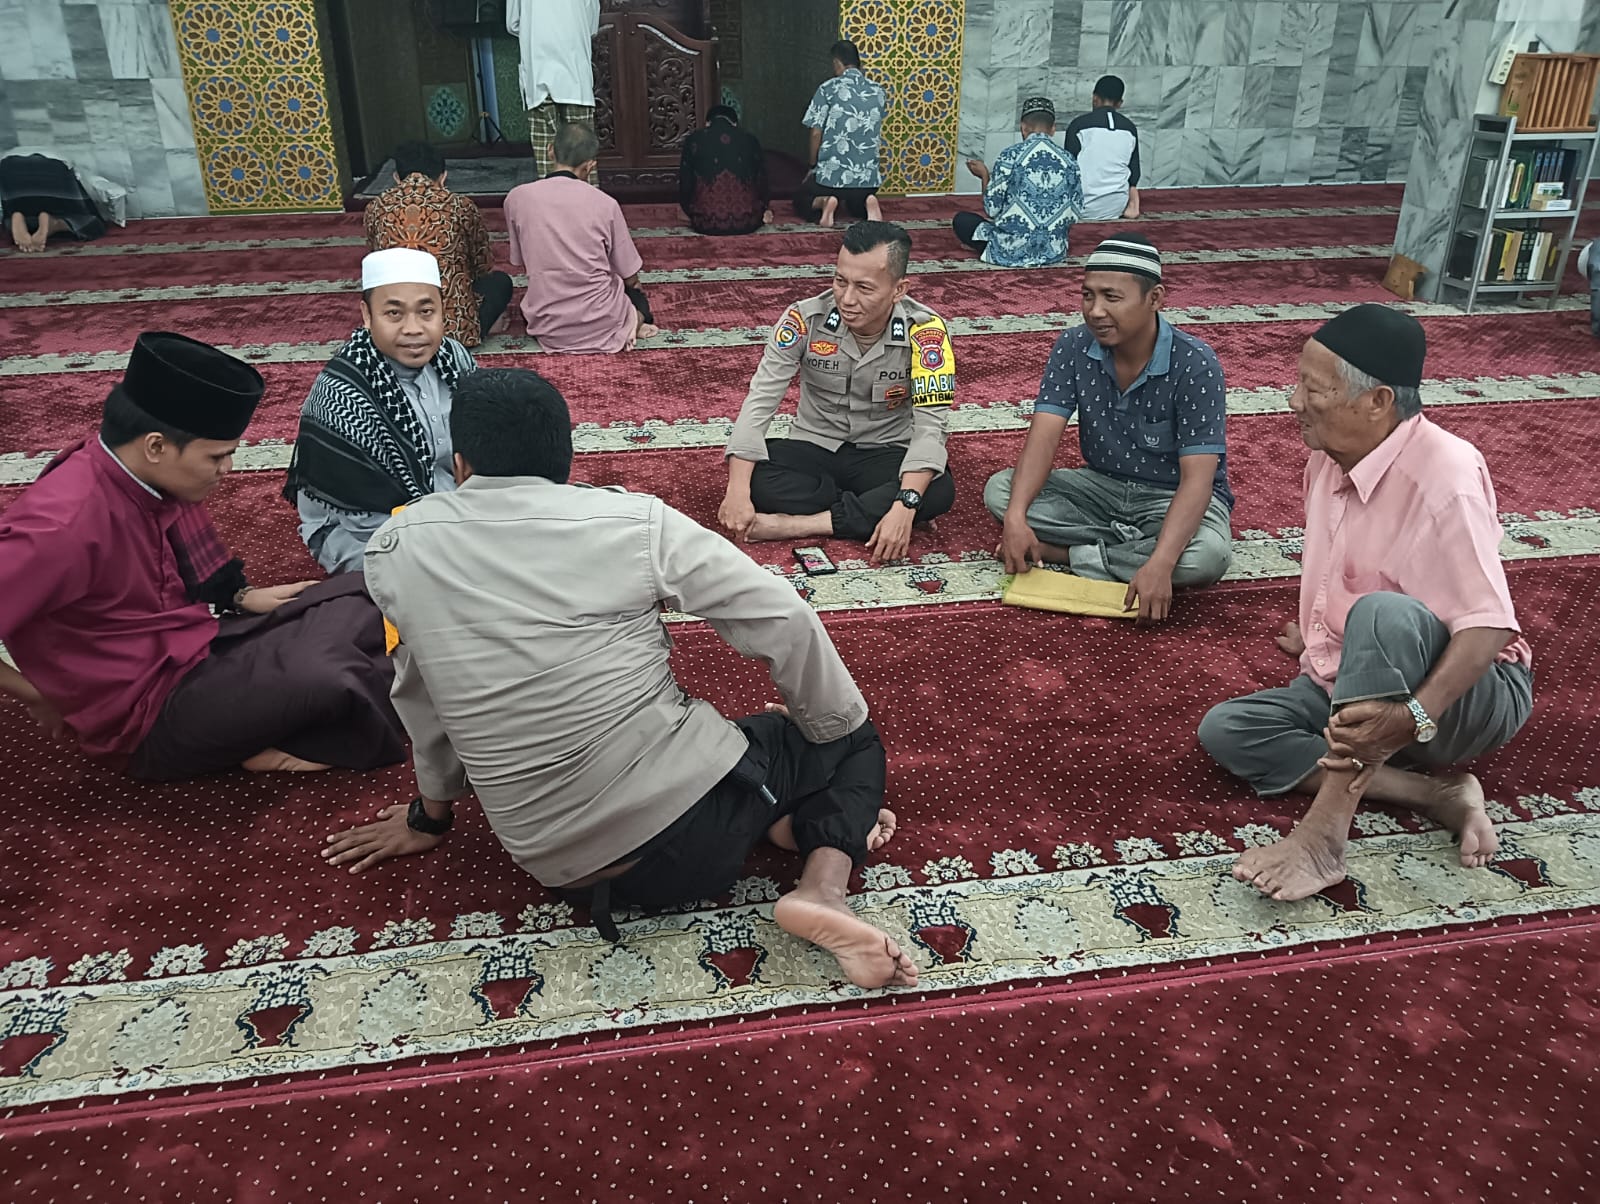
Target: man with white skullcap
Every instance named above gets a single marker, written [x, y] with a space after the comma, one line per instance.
[375, 429]
[1410, 657]
[1151, 506]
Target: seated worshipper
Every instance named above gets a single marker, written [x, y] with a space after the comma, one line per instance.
[1151, 506]
[865, 457]
[1410, 656]
[42, 194]
[375, 428]
[1589, 269]
[845, 118]
[532, 667]
[110, 571]
[1032, 197]
[583, 269]
[722, 177]
[419, 211]
[1107, 146]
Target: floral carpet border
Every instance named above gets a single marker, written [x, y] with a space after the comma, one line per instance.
[483, 988]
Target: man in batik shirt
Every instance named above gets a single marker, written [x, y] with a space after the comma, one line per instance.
[1032, 197]
[845, 119]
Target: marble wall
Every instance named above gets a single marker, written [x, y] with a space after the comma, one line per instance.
[100, 83]
[1223, 91]
[1457, 88]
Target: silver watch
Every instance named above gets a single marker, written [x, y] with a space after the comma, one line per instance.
[1427, 729]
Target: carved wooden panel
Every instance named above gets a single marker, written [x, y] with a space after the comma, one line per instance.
[670, 80]
[605, 58]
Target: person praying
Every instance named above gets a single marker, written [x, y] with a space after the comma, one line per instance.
[112, 580]
[375, 428]
[1411, 659]
[1151, 506]
[532, 669]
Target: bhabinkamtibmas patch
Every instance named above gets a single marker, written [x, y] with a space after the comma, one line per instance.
[933, 365]
[791, 328]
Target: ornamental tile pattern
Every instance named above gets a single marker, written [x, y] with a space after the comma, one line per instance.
[913, 48]
[259, 102]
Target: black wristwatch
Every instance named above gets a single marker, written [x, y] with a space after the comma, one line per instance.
[909, 498]
[418, 820]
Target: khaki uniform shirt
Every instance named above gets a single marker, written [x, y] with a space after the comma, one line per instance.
[846, 395]
[533, 661]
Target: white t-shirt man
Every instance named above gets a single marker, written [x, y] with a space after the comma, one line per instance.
[555, 37]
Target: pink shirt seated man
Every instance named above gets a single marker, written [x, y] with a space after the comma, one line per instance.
[111, 575]
[1410, 655]
[583, 269]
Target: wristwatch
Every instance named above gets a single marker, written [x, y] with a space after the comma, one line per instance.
[418, 820]
[909, 498]
[1427, 729]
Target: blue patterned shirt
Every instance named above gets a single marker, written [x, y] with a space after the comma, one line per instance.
[848, 109]
[1033, 198]
[1178, 406]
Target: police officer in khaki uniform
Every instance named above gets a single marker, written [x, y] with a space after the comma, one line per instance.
[865, 457]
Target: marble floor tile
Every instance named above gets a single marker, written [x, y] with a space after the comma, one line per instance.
[977, 42]
[1375, 94]
[1317, 36]
[1202, 98]
[1257, 97]
[1175, 96]
[33, 126]
[1195, 162]
[1336, 94]
[188, 190]
[1274, 167]
[140, 124]
[1349, 19]
[1183, 34]
[1097, 16]
[1374, 33]
[1236, 32]
[16, 48]
[1138, 32]
[1266, 23]
[151, 189]
[1424, 42]
[973, 110]
[1292, 19]
[86, 37]
[1352, 151]
[1066, 24]
[1396, 48]
[47, 34]
[1375, 160]
[1302, 154]
[1283, 97]
[1029, 81]
[8, 127]
[1229, 105]
[1325, 162]
[1211, 43]
[1248, 144]
[1021, 36]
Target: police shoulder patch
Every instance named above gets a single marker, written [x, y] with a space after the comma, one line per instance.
[791, 328]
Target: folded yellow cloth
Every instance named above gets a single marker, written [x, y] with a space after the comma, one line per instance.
[1043, 589]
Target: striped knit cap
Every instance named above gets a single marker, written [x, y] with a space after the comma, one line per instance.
[1127, 254]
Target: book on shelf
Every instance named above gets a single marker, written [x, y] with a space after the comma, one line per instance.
[1463, 261]
[1478, 188]
[1522, 266]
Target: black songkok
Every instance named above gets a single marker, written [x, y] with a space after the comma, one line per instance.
[1387, 344]
[190, 386]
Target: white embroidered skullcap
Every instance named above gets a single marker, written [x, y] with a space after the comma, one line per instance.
[399, 265]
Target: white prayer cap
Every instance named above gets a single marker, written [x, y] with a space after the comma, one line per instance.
[399, 265]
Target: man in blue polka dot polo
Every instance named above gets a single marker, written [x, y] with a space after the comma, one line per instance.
[1151, 506]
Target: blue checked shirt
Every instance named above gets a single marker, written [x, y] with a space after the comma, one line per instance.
[1177, 407]
[1033, 198]
[848, 109]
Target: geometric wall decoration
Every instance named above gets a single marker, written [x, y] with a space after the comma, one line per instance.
[449, 112]
[913, 48]
[259, 101]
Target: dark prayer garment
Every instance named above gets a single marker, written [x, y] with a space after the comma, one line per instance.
[310, 679]
[722, 180]
[35, 184]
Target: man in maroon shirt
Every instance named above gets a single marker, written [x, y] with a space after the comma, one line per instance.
[110, 571]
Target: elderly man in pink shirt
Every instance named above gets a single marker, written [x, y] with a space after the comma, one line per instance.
[583, 269]
[1410, 655]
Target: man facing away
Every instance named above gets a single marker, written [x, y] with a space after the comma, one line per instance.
[1409, 651]
[865, 457]
[420, 212]
[1151, 506]
[375, 428]
[722, 177]
[845, 118]
[555, 39]
[110, 571]
[533, 668]
[1032, 197]
[1107, 146]
[583, 269]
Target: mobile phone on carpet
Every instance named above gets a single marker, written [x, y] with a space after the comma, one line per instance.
[815, 562]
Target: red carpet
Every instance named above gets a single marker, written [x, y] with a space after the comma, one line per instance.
[193, 1007]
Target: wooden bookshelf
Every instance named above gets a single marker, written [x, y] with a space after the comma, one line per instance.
[1499, 243]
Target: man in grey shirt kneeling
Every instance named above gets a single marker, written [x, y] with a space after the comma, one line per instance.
[532, 669]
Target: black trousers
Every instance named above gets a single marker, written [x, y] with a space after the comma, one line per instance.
[494, 294]
[856, 484]
[852, 201]
[830, 792]
[641, 303]
[966, 225]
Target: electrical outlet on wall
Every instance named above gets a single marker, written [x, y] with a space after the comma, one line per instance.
[1502, 65]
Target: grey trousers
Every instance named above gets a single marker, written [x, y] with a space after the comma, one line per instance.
[1272, 739]
[1111, 526]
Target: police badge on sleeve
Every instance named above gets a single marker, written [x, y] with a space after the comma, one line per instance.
[933, 365]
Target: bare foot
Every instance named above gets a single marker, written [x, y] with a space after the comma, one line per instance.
[882, 831]
[874, 210]
[647, 331]
[501, 324]
[829, 208]
[785, 526]
[20, 234]
[1302, 863]
[1458, 806]
[782, 835]
[867, 955]
[273, 760]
